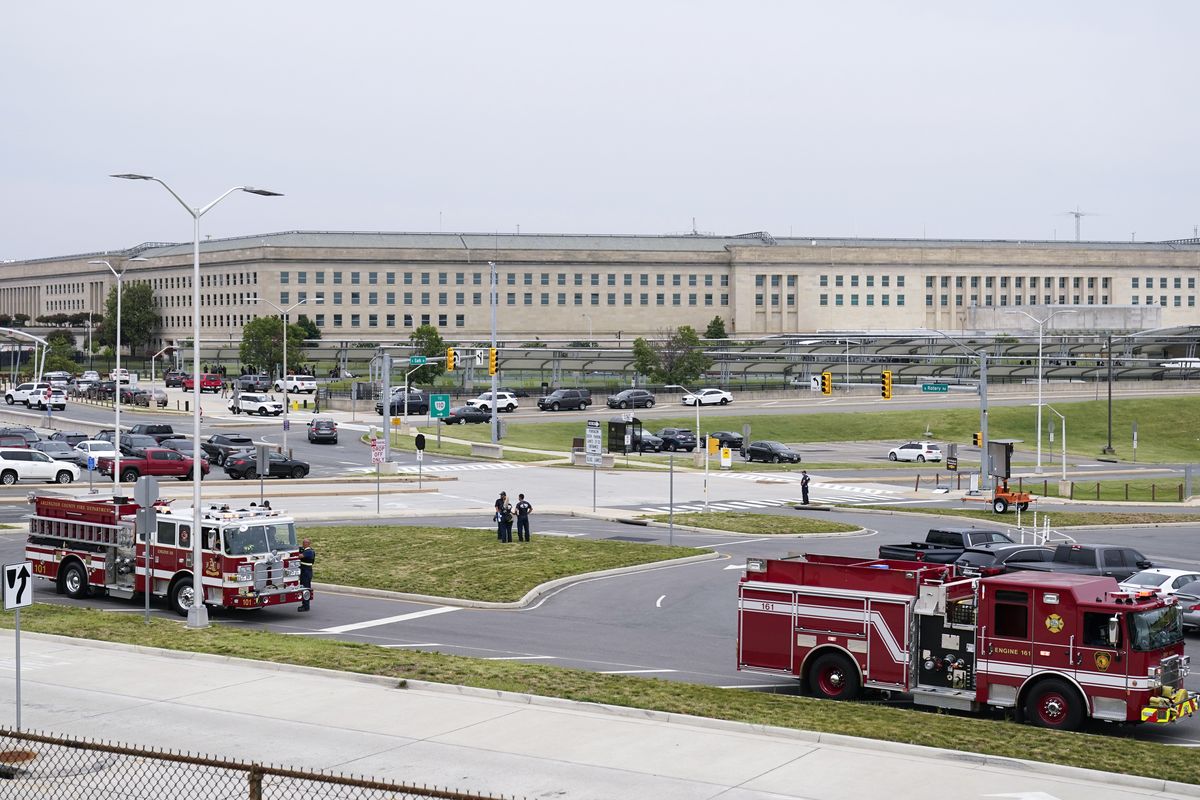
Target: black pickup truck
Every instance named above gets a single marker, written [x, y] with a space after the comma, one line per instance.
[1091, 559]
[943, 545]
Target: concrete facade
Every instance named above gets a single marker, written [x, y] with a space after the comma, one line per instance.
[379, 286]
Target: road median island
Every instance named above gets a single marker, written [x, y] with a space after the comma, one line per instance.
[758, 524]
[967, 734]
[1058, 519]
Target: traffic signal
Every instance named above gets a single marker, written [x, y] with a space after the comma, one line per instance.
[826, 383]
[491, 361]
[885, 384]
[450, 359]
[977, 439]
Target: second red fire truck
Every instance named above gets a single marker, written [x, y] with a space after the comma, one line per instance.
[249, 557]
[1057, 649]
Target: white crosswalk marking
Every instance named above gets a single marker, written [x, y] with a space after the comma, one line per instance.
[413, 469]
[819, 492]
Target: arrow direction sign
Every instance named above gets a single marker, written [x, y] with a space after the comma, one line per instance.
[18, 591]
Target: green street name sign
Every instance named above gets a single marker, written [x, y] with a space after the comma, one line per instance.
[416, 361]
[935, 388]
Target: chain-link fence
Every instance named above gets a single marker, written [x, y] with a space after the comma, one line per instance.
[36, 766]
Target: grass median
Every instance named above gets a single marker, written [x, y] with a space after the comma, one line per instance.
[945, 730]
[471, 564]
[1059, 519]
[765, 524]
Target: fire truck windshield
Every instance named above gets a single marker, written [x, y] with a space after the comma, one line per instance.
[260, 538]
[1159, 627]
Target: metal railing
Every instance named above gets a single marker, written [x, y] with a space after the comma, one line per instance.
[38, 766]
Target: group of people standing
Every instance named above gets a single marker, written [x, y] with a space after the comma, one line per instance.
[505, 512]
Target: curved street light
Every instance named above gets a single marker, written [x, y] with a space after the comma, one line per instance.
[1041, 323]
[284, 312]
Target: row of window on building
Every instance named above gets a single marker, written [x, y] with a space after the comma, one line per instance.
[513, 298]
[508, 278]
[338, 320]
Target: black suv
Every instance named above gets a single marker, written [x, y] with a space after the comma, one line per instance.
[631, 398]
[677, 439]
[159, 432]
[418, 403]
[174, 379]
[565, 398]
[773, 452]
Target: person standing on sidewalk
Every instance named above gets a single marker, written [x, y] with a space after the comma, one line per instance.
[308, 557]
[804, 486]
[504, 518]
[523, 509]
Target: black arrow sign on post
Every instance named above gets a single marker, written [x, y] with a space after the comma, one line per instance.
[15, 575]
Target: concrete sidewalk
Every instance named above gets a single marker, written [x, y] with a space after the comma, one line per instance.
[489, 742]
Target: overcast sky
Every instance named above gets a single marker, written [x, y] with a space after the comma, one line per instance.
[943, 120]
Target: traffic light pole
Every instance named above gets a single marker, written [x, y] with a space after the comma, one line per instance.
[495, 386]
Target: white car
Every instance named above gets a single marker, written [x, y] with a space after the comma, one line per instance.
[21, 464]
[90, 375]
[297, 383]
[54, 397]
[1159, 579]
[95, 448]
[123, 377]
[22, 392]
[916, 451]
[504, 402]
[59, 379]
[708, 397]
[261, 404]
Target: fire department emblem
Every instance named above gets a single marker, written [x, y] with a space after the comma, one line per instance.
[1054, 623]
[212, 567]
[1102, 661]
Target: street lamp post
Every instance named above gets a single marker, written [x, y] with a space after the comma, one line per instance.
[1064, 440]
[197, 614]
[698, 442]
[984, 466]
[120, 276]
[164, 351]
[494, 294]
[286, 404]
[1041, 323]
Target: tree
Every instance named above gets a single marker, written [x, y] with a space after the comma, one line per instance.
[262, 342]
[65, 338]
[716, 329]
[61, 357]
[139, 320]
[671, 356]
[427, 341]
[311, 331]
[20, 320]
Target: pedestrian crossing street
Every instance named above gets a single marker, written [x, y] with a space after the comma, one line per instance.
[817, 493]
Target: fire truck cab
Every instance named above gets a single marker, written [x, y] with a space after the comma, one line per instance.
[250, 558]
[1055, 648]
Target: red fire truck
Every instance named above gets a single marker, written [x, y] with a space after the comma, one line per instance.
[250, 556]
[1056, 648]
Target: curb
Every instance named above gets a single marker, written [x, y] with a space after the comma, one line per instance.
[959, 757]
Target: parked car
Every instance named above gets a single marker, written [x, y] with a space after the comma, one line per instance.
[94, 448]
[1160, 579]
[504, 402]
[181, 445]
[102, 390]
[773, 452]
[1189, 603]
[161, 462]
[174, 379]
[61, 451]
[54, 398]
[134, 444]
[149, 397]
[208, 383]
[21, 392]
[677, 439]
[297, 383]
[1115, 561]
[13, 441]
[994, 558]
[464, 414]
[28, 435]
[24, 464]
[631, 398]
[119, 375]
[729, 439]
[58, 379]
[646, 442]
[157, 430]
[708, 397]
[245, 465]
[261, 404]
[90, 375]
[322, 429]
[565, 398]
[253, 383]
[418, 403]
[220, 446]
[916, 451]
[72, 438]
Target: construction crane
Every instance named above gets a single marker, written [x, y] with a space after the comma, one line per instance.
[1077, 214]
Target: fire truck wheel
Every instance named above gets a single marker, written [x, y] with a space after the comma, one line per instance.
[182, 595]
[1054, 704]
[999, 505]
[74, 581]
[834, 677]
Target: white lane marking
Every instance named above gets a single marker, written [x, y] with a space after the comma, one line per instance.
[373, 623]
[736, 566]
[520, 658]
[419, 644]
[757, 686]
[633, 671]
[558, 533]
[658, 603]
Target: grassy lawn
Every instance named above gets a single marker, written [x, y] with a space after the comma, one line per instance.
[1059, 519]
[962, 733]
[1168, 427]
[1161, 490]
[454, 562]
[745, 522]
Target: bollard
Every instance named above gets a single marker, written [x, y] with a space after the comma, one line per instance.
[1045, 487]
[1072, 493]
[1020, 486]
[306, 404]
[1097, 490]
[186, 405]
[1153, 493]
[1181, 492]
[1127, 491]
[917, 485]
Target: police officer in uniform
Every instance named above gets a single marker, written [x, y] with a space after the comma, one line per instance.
[308, 557]
[804, 485]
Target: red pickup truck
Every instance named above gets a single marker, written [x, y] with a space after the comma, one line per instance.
[208, 383]
[157, 461]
